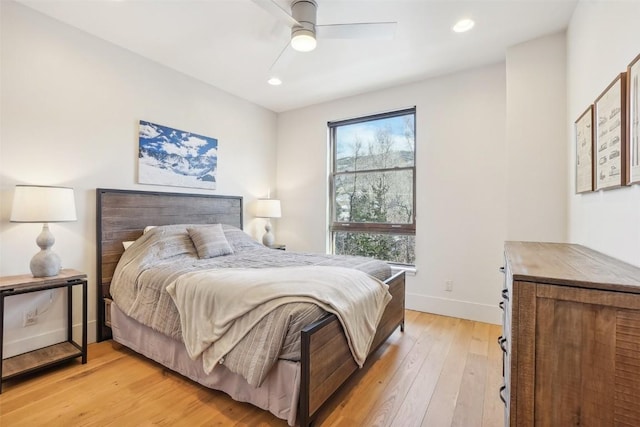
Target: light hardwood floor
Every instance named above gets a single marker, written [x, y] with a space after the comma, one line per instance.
[441, 371]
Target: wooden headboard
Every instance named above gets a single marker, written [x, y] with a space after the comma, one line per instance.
[122, 215]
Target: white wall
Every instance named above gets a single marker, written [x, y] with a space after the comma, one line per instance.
[602, 39]
[461, 184]
[70, 108]
[536, 131]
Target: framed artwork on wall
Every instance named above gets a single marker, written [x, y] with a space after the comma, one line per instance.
[633, 128]
[609, 150]
[175, 157]
[584, 151]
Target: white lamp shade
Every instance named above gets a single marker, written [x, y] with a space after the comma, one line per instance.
[33, 203]
[268, 208]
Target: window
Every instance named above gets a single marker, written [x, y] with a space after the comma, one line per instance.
[373, 176]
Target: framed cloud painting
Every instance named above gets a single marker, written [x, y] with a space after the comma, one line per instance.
[175, 157]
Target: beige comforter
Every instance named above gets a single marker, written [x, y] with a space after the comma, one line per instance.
[219, 307]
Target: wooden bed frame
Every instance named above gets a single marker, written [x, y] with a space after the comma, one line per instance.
[325, 361]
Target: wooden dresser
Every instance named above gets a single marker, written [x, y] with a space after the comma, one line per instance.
[571, 337]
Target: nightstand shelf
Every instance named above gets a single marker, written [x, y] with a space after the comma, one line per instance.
[51, 355]
[39, 359]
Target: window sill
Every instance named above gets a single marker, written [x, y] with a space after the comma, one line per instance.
[409, 271]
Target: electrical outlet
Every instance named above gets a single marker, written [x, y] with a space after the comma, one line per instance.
[448, 286]
[30, 318]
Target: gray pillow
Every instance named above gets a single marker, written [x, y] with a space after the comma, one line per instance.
[238, 239]
[209, 241]
[168, 241]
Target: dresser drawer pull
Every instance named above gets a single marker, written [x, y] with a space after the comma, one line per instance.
[505, 294]
[501, 342]
[501, 305]
[502, 396]
[501, 270]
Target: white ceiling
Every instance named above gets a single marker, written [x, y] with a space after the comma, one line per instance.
[231, 44]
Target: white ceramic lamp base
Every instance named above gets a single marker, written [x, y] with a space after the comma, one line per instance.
[45, 263]
[268, 238]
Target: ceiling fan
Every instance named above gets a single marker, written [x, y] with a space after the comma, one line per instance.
[305, 30]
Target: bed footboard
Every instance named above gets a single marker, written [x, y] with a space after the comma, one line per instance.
[326, 361]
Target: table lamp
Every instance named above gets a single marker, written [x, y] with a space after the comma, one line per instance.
[268, 208]
[33, 203]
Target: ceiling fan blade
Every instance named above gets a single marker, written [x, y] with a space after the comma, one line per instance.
[365, 30]
[282, 61]
[274, 9]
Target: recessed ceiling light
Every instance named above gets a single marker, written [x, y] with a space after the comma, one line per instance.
[463, 25]
[274, 81]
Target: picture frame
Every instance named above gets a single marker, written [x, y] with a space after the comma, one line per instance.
[633, 121]
[584, 151]
[169, 156]
[609, 149]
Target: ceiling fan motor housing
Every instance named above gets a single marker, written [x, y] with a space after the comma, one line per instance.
[304, 11]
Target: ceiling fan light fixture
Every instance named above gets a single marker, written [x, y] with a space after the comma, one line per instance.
[463, 25]
[303, 40]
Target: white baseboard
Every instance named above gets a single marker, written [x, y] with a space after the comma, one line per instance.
[47, 338]
[455, 308]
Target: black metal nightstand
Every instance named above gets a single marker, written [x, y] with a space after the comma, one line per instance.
[278, 246]
[53, 354]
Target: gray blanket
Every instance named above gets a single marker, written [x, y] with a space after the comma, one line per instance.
[163, 254]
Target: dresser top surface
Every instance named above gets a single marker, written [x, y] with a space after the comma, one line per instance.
[570, 264]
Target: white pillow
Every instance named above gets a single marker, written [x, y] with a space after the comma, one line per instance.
[126, 245]
[148, 227]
